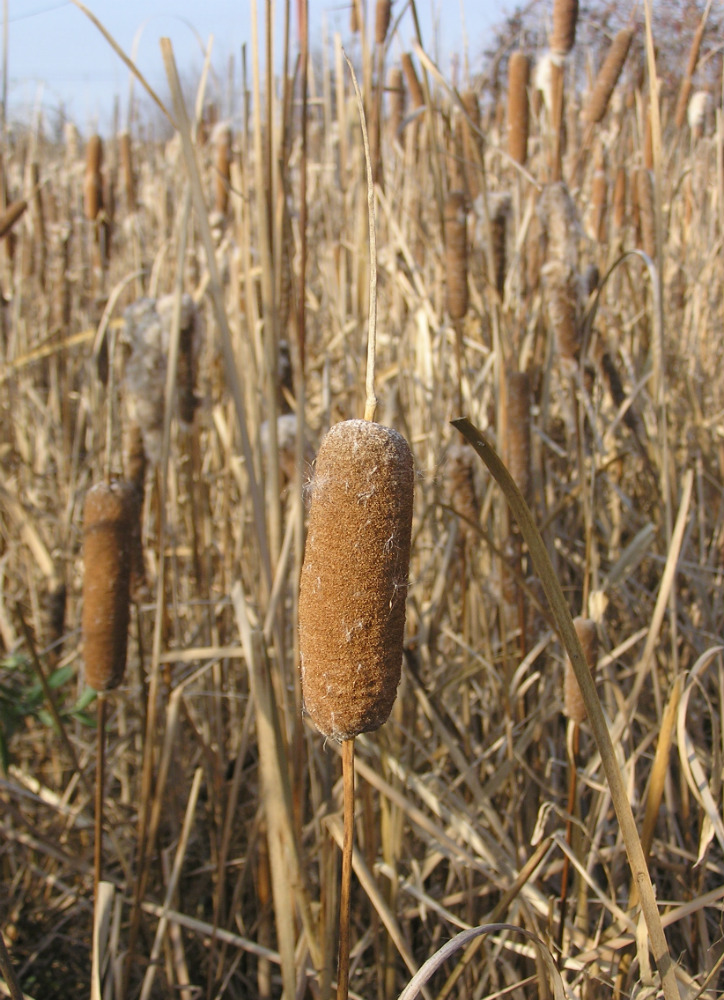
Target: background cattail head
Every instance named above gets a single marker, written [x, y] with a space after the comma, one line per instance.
[563, 35]
[222, 167]
[518, 430]
[107, 527]
[396, 90]
[413, 84]
[500, 210]
[518, 79]
[574, 707]
[561, 226]
[456, 254]
[93, 184]
[383, 12]
[354, 578]
[460, 487]
[608, 76]
[561, 295]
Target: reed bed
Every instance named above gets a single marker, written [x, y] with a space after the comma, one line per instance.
[168, 337]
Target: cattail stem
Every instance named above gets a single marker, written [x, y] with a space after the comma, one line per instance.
[346, 884]
[100, 781]
[572, 782]
[8, 973]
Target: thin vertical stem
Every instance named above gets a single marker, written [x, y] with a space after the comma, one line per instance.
[100, 781]
[347, 851]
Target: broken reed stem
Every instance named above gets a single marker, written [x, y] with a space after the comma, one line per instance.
[371, 398]
[346, 882]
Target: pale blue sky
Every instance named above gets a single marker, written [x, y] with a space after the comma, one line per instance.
[57, 57]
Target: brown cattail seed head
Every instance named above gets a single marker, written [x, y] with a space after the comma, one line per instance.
[222, 175]
[354, 578]
[10, 216]
[561, 297]
[573, 704]
[106, 582]
[645, 200]
[563, 36]
[456, 254]
[413, 84]
[608, 76]
[93, 187]
[518, 78]
[619, 199]
[383, 11]
[396, 89]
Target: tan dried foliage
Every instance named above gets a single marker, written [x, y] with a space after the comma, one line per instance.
[619, 200]
[354, 578]
[460, 487]
[413, 84]
[645, 201]
[396, 90]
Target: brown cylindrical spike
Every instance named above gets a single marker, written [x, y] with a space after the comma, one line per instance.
[354, 578]
[93, 187]
[413, 84]
[222, 176]
[608, 76]
[573, 705]
[106, 581]
[456, 254]
[396, 88]
[518, 79]
[518, 430]
[383, 12]
[563, 36]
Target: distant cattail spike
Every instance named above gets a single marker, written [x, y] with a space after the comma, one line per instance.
[573, 704]
[561, 297]
[563, 35]
[93, 186]
[383, 13]
[10, 216]
[498, 232]
[460, 482]
[413, 84]
[456, 255]
[222, 175]
[354, 578]
[518, 79]
[608, 76]
[106, 582]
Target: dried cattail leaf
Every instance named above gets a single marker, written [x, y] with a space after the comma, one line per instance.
[93, 185]
[560, 224]
[460, 487]
[518, 79]
[518, 430]
[608, 76]
[129, 180]
[413, 84]
[106, 582]
[619, 200]
[222, 172]
[456, 254]
[563, 36]
[599, 204]
[354, 578]
[574, 706]
[383, 12]
[10, 216]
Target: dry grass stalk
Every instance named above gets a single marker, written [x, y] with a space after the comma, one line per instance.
[645, 201]
[599, 202]
[93, 185]
[608, 76]
[222, 173]
[648, 152]
[11, 215]
[129, 180]
[619, 199]
[518, 80]
[106, 582]
[518, 431]
[563, 35]
[413, 84]
[354, 579]
[456, 255]
[573, 704]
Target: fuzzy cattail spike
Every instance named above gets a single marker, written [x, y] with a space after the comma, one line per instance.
[354, 578]
[106, 582]
[518, 79]
[608, 76]
[93, 188]
[456, 255]
[563, 36]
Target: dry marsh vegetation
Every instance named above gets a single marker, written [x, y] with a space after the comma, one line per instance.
[191, 316]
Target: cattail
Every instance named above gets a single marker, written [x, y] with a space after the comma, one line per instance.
[383, 13]
[574, 707]
[500, 211]
[563, 36]
[129, 181]
[471, 142]
[413, 84]
[561, 296]
[645, 200]
[518, 430]
[648, 154]
[93, 187]
[135, 467]
[518, 78]
[354, 578]
[456, 255]
[10, 216]
[396, 89]
[106, 582]
[354, 18]
[608, 76]
[686, 84]
[533, 253]
[460, 483]
[55, 604]
[222, 174]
